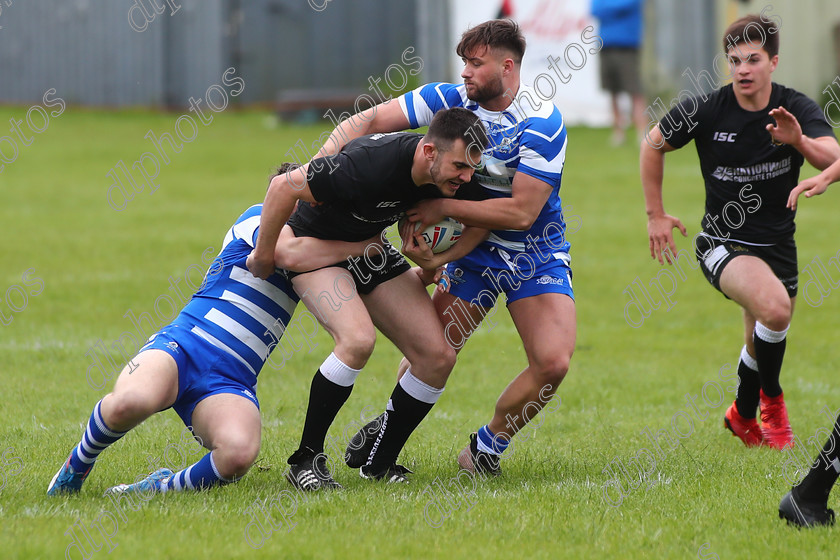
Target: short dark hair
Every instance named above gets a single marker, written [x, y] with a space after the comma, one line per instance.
[753, 30]
[457, 123]
[284, 168]
[501, 34]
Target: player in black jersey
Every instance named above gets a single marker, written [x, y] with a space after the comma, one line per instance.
[360, 191]
[752, 137]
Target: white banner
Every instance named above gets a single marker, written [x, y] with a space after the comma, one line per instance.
[561, 56]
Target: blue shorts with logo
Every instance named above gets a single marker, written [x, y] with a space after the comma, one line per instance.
[488, 271]
[203, 369]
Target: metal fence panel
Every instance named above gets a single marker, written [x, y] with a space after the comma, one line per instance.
[100, 52]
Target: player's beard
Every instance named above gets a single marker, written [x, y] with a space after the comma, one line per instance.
[435, 171]
[490, 90]
[436, 178]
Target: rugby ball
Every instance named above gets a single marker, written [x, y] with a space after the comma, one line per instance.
[442, 235]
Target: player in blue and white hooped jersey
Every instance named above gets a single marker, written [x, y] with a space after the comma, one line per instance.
[526, 255]
[204, 365]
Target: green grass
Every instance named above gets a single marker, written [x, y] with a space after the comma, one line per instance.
[96, 263]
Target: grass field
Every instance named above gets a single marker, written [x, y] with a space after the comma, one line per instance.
[708, 496]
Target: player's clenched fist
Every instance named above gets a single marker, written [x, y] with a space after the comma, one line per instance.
[260, 267]
[426, 212]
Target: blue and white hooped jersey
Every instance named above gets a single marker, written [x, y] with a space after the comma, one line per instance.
[528, 137]
[235, 311]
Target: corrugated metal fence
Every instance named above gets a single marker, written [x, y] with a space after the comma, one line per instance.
[161, 52]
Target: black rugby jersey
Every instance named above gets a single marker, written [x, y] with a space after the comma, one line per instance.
[748, 179]
[366, 188]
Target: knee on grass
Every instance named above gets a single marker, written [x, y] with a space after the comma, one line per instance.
[234, 459]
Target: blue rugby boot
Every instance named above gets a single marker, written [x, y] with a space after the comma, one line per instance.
[67, 480]
[151, 483]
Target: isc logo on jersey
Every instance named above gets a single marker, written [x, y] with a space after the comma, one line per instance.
[725, 136]
[388, 204]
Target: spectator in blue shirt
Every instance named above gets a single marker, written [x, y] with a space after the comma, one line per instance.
[621, 32]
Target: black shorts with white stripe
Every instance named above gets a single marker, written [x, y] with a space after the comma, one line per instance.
[714, 254]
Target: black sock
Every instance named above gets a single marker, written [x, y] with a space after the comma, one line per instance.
[400, 422]
[325, 400]
[769, 353]
[746, 398]
[817, 484]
